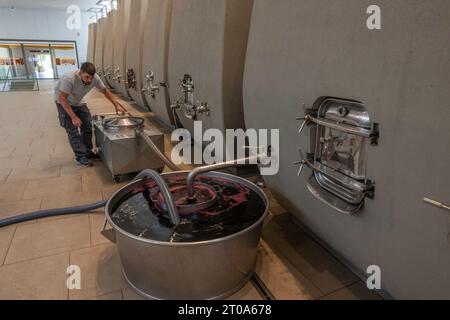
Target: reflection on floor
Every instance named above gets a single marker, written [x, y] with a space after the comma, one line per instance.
[37, 171]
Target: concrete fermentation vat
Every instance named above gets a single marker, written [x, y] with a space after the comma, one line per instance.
[108, 54]
[104, 25]
[208, 41]
[133, 75]
[120, 47]
[99, 46]
[155, 59]
[323, 55]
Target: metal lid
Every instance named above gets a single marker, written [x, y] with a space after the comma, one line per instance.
[123, 122]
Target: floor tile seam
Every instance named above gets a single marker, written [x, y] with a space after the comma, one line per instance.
[45, 256]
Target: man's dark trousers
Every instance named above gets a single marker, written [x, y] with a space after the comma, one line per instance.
[80, 140]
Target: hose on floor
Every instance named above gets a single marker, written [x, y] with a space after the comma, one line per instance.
[50, 213]
[88, 207]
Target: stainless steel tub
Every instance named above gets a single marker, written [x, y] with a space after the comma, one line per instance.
[211, 269]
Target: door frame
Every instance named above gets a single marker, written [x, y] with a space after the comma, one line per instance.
[49, 42]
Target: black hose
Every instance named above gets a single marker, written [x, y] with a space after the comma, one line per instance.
[50, 213]
[90, 207]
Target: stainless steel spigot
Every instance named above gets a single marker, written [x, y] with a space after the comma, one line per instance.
[190, 108]
[203, 108]
[175, 106]
[107, 73]
[130, 81]
[116, 75]
[99, 70]
[151, 88]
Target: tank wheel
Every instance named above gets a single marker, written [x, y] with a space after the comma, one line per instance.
[116, 179]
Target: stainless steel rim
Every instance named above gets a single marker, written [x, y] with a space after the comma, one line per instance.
[138, 122]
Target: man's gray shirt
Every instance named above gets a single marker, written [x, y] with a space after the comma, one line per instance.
[72, 84]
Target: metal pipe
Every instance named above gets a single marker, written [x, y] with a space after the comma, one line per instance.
[141, 133]
[212, 167]
[436, 203]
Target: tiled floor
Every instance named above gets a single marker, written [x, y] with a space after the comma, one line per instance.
[37, 172]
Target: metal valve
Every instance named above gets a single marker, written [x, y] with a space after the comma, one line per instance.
[190, 108]
[187, 84]
[131, 79]
[107, 73]
[99, 70]
[203, 108]
[176, 106]
[117, 76]
[151, 88]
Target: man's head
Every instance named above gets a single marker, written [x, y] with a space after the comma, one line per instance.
[87, 73]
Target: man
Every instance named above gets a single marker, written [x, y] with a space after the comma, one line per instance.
[73, 113]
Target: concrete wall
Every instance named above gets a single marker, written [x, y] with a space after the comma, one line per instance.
[301, 50]
[43, 24]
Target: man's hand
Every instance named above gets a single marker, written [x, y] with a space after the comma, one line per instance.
[120, 109]
[76, 122]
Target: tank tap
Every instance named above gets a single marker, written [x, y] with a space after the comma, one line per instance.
[117, 76]
[176, 106]
[150, 87]
[107, 74]
[202, 108]
[191, 108]
[99, 70]
[131, 79]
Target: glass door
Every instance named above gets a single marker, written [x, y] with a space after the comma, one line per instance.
[64, 58]
[39, 61]
[12, 61]
[28, 59]
[5, 62]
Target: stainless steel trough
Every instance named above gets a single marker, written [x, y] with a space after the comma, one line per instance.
[211, 269]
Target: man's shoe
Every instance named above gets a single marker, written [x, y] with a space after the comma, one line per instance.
[93, 156]
[83, 161]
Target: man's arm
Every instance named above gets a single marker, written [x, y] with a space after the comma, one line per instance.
[119, 108]
[66, 106]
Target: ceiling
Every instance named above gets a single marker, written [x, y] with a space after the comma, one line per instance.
[55, 4]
